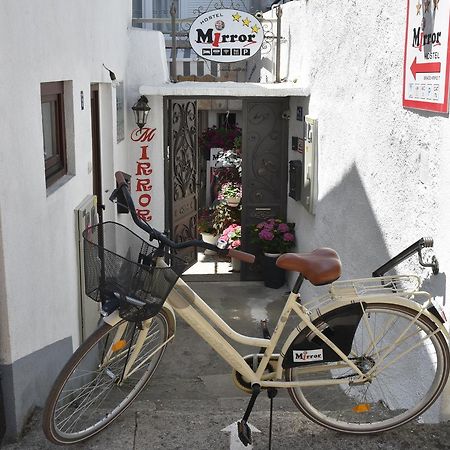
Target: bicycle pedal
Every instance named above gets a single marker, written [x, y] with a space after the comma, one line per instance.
[244, 433]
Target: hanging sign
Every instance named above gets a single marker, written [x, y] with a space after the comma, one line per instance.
[427, 54]
[226, 35]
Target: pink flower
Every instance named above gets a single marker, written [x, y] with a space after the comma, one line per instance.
[289, 237]
[266, 235]
[260, 225]
[283, 228]
[236, 244]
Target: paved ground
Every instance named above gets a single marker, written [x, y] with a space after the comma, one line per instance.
[187, 410]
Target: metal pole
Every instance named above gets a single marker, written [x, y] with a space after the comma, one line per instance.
[277, 63]
[173, 66]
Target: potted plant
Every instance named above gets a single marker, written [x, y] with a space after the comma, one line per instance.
[231, 238]
[224, 216]
[274, 236]
[231, 193]
[206, 227]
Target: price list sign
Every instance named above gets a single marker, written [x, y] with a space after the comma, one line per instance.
[426, 62]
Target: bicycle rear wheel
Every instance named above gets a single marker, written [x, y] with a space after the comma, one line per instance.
[407, 359]
[89, 392]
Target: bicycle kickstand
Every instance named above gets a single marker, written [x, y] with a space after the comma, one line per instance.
[244, 432]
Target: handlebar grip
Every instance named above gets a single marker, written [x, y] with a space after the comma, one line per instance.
[120, 178]
[242, 256]
[427, 242]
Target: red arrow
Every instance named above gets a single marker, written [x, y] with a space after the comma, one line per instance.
[416, 67]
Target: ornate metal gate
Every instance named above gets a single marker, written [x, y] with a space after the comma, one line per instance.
[264, 168]
[182, 184]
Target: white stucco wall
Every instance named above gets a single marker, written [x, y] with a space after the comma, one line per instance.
[52, 41]
[383, 170]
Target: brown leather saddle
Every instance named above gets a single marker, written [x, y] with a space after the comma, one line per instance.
[321, 266]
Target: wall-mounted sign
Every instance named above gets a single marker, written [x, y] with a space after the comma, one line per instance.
[226, 35]
[426, 64]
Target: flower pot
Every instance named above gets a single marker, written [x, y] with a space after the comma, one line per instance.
[233, 201]
[235, 265]
[210, 239]
[274, 277]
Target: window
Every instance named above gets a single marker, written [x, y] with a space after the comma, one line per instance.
[53, 127]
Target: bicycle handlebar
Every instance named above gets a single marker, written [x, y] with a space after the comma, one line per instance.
[122, 186]
[425, 242]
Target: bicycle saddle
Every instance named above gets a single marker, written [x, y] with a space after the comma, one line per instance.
[321, 266]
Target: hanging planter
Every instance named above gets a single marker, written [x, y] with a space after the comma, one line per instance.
[233, 201]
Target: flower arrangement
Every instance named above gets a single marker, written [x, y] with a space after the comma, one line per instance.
[218, 138]
[231, 237]
[274, 235]
[227, 190]
[206, 222]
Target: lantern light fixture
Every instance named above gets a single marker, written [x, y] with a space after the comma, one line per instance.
[141, 110]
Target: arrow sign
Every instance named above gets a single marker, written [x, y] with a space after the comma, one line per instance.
[235, 442]
[432, 67]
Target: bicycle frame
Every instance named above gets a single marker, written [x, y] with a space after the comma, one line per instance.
[193, 309]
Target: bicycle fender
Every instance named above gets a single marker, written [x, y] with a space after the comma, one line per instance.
[169, 314]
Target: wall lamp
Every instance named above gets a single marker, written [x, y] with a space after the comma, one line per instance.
[141, 110]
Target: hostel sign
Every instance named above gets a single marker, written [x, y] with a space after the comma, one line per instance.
[426, 63]
[226, 35]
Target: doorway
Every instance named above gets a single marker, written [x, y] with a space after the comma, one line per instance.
[96, 150]
[217, 147]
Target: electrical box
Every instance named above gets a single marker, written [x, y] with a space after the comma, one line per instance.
[309, 186]
[295, 179]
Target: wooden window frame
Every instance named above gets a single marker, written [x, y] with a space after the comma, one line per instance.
[56, 166]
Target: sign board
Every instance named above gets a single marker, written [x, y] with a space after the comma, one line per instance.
[226, 35]
[426, 62]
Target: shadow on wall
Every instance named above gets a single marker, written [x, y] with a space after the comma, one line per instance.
[345, 221]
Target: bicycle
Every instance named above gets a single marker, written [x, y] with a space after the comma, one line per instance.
[348, 365]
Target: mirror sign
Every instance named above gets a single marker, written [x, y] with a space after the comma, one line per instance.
[427, 51]
[226, 35]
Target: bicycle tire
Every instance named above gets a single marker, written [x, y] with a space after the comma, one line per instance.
[397, 394]
[74, 386]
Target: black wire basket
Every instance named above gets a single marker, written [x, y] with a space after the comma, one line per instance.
[119, 264]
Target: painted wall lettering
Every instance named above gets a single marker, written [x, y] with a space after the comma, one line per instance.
[143, 171]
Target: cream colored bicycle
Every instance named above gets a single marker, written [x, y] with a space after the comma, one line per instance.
[369, 356]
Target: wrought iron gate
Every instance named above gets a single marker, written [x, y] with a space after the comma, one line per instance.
[182, 185]
[264, 168]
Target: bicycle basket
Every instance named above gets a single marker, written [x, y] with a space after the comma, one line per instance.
[119, 264]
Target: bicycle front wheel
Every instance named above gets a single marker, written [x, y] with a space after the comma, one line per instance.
[406, 359]
[93, 389]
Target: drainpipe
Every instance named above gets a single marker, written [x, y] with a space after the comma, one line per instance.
[173, 66]
[278, 60]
